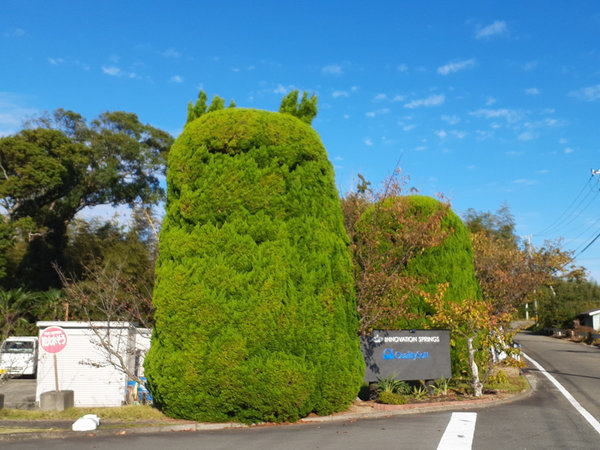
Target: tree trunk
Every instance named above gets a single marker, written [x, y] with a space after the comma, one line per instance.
[475, 382]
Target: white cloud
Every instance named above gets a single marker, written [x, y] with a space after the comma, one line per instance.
[380, 97]
[281, 89]
[531, 65]
[569, 150]
[532, 91]
[12, 114]
[587, 94]
[15, 33]
[510, 115]
[56, 61]
[399, 98]
[421, 148]
[456, 66]
[409, 127]
[432, 100]
[495, 29]
[171, 53]
[176, 79]
[527, 136]
[451, 120]
[402, 68]
[235, 69]
[490, 101]
[441, 134]
[332, 69]
[346, 116]
[562, 141]
[338, 94]
[113, 71]
[379, 112]
[368, 142]
[459, 134]
[525, 181]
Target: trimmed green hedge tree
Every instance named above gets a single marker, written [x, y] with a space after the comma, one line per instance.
[405, 221]
[255, 308]
[450, 262]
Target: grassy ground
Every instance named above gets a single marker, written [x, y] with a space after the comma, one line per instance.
[120, 414]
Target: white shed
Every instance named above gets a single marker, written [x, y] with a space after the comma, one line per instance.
[590, 319]
[87, 368]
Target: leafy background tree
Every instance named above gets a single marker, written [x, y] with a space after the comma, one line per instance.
[52, 169]
[58, 166]
[511, 272]
[255, 309]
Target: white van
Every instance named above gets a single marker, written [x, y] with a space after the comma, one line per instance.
[19, 355]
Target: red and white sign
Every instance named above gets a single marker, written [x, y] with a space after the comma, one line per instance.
[53, 339]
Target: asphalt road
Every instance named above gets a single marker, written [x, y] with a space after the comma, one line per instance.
[19, 393]
[575, 366]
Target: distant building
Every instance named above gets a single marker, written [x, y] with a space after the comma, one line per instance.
[589, 319]
[86, 368]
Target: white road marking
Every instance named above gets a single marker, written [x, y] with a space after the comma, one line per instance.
[587, 416]
[459, 432]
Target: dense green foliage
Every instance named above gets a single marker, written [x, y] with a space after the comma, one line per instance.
[450, 262]
[194, 111]
[119, 254]
[61, 165]
[305, 109]
[255, 310]
[500, 224]
[557, 307]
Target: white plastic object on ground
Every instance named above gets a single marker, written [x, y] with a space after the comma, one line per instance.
[89, 422]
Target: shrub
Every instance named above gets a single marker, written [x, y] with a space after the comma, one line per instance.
[391, 384]
[255, 308]
[391, 398]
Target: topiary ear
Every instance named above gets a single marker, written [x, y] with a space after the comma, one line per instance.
[305, 110]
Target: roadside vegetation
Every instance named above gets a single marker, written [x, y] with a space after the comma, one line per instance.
[129, 413]
[504, 379]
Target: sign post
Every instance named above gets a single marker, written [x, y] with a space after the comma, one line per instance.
[53, 340]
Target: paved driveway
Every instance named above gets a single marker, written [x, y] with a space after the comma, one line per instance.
[19, 393]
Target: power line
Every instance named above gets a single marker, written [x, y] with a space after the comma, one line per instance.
[558, 222]
[594, 172]
[587, 246]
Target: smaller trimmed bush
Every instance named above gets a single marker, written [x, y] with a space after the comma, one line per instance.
[390, 398]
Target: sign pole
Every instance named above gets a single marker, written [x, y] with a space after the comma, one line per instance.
[55, 373]
[53, 340]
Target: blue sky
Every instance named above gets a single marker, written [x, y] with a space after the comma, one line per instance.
[485, 102]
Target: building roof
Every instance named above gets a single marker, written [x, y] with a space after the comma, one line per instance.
[591, 312]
